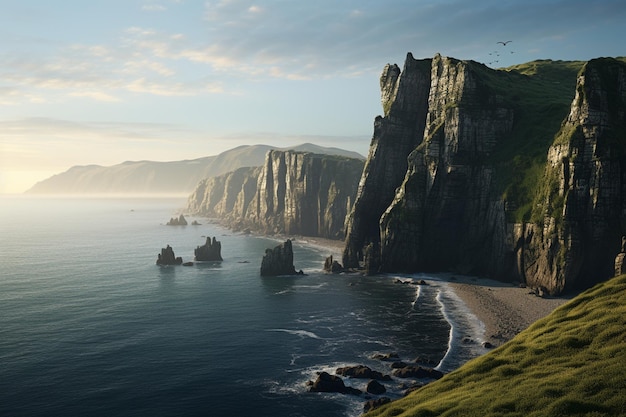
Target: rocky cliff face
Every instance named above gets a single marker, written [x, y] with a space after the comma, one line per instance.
[581, 205]
[404, 97]
[293, 193]
[472, 197]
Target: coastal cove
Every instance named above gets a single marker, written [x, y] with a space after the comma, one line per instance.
[90, 325]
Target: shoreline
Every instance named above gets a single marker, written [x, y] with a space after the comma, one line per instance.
[504, 308]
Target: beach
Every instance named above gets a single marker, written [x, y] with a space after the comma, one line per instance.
[504, 308]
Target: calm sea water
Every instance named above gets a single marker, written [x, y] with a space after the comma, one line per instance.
[90, 326]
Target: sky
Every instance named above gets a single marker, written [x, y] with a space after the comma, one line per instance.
[107, 81]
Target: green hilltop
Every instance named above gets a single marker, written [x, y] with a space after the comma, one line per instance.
[572, 362]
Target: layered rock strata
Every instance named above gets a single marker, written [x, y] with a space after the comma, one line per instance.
[493, 185]
[292, 193]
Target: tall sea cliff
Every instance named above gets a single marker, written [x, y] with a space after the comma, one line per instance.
[292, 193]
[515, 174]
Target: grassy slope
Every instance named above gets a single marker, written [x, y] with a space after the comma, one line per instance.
[541, 93]
[572, 362]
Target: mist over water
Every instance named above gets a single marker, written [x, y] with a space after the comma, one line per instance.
[89, 325]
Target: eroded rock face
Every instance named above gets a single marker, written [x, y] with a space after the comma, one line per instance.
[404, 98]
[451, 210]
[582, 204]
[278, 261]
[444, 214]
[293, 193]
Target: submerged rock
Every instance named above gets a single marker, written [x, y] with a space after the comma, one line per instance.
[278, 261]
[167, 257]
[210, 251]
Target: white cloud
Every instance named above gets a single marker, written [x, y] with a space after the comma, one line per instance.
[96, 95]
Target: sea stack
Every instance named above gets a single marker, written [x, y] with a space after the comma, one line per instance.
[167, 257]
[210, 251]
[278, 261]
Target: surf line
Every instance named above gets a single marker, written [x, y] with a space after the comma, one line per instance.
[460, 319]
[300, 333]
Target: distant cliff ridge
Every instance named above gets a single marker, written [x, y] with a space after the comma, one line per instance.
[178, 177]
[292, 193]
[499, 180]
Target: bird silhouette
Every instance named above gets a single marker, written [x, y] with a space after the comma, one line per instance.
[504, 43]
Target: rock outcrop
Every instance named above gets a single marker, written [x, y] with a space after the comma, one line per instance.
[210, 251]
[292, 193]
[167, 257]
[177, 221]
[326, 382]
[278, 261]
[499, 180]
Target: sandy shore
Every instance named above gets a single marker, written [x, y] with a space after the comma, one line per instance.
[504, 309]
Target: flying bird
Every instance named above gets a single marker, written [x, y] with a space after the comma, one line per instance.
[504, 43]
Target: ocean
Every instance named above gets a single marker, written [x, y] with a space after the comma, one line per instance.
[90, 326]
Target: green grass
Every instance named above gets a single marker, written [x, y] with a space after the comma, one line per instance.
[572, 362]
[540, 93]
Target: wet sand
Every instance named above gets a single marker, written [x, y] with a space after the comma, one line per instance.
[505, 309]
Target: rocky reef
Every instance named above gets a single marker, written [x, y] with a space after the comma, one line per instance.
[210, 251]
[514, 174]
[292, 193]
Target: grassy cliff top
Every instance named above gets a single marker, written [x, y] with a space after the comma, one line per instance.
[572, 362]
[540, 93]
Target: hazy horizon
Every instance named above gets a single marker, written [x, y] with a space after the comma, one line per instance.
[165, 80]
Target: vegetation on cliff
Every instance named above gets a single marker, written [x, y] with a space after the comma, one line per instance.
[572, 362]
[517, 173]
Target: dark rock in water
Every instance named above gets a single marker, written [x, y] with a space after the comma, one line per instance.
[417, 372]
[210, 251]
[188, 264]
[167, 257]
[278, 261]
[386, 356]
[375, 387]
[373, 404]
[180, 221]
[398, 365]
[195, 223]
[326, 382]
[362, 371]
[332, 266]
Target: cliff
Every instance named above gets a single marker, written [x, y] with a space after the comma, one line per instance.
[292, 193]
[499, 180]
